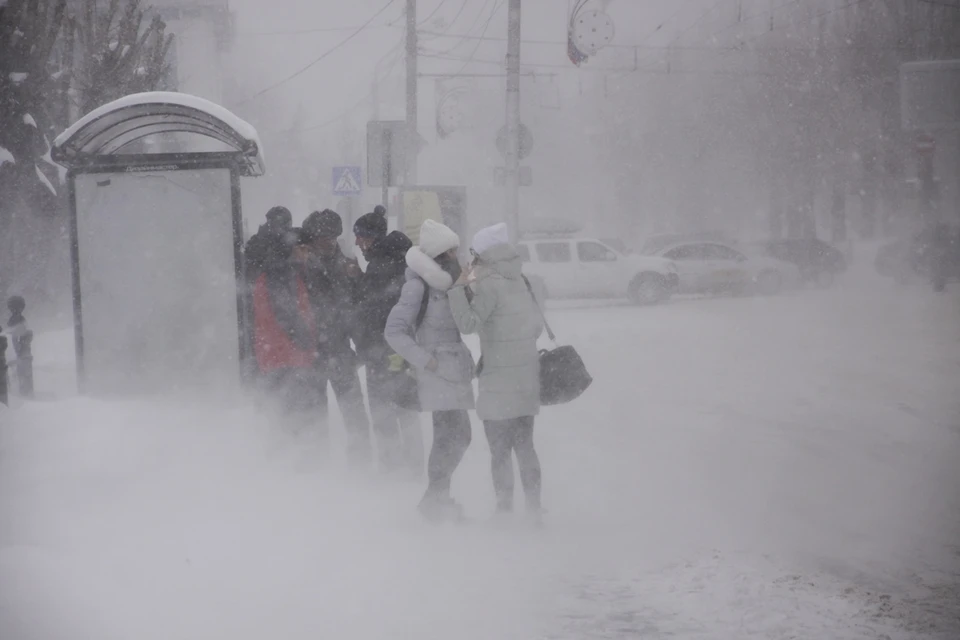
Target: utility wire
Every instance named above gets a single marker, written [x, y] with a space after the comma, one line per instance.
[322, 56]
[463, 6]
[467, 36]
[298, 32]
[354, 106]
[432, 13]
[563, 43]
[609, 69]
[496, 7]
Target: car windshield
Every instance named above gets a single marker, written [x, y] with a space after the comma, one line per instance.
[654, 246]
[617, 245]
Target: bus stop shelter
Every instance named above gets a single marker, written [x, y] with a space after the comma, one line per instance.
[156, 239]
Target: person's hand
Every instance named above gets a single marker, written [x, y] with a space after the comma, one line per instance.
[433, 365]
[466, 276]
[353, 269]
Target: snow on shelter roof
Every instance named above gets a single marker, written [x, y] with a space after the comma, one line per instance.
[108, 129]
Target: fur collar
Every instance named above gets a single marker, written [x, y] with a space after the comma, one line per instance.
[428, 269]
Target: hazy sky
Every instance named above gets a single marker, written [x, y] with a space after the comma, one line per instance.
[276, 38]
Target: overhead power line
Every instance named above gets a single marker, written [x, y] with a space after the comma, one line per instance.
[606, 69]
[298, 32]
[322, 56]
[353, 107]
[496, 7]
[432, 13]
[463, 6]
[461, 38]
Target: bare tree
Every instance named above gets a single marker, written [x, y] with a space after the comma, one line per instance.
[53, 68]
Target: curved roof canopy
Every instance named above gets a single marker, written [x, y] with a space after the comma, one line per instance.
[184, 123]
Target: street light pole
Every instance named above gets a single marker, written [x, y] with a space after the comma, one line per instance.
[513, 120]
[413, 138]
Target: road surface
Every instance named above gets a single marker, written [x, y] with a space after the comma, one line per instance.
[742, 468]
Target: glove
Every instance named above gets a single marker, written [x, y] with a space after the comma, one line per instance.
[396, 362]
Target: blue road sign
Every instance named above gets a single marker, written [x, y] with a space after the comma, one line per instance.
[346, 181]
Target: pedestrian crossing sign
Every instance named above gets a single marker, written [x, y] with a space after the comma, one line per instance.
[346, 181]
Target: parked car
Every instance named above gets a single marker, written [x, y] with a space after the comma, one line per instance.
[714, 267]
[656, 243]
[591, 268]
[819, 263]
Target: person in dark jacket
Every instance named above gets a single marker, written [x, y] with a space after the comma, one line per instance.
[284, 343]
[332, 280]
[261, 249]
[399, 437]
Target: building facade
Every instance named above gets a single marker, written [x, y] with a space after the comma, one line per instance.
[203, 33]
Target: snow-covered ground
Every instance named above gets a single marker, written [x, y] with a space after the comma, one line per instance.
[741, 468]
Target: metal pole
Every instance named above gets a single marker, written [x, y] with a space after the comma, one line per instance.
[413, 138]
[386, 142]
[4, 392]
[385, 151]
[23, 349]
[513, 120]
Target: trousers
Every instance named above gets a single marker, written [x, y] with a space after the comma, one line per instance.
[398, 432]
[345, 382]
[451, 438]
[505, 438]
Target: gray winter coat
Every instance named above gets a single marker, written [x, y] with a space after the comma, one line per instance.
[505, 315]
[451, 385]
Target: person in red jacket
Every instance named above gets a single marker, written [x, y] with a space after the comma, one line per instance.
[285, 334]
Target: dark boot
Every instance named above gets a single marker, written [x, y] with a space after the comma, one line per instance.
[440, 508]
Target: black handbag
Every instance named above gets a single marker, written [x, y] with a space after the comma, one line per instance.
[563, 375]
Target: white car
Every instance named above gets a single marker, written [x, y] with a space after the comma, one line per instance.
[715, 267]
[591, 268]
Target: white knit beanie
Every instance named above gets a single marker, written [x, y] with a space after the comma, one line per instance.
[490, 237]
[436, 238]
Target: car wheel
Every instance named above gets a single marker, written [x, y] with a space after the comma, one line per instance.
[824, 278]
[769, 283]
[649, 288]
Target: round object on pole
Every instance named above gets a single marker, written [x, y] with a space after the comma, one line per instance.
[925, 143]
[526, 141]
[592, 31]
[450, 112]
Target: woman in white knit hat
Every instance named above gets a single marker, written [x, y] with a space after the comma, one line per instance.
[503, 310]
[441, 362]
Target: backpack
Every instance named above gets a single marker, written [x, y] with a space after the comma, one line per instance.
[424, 303]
